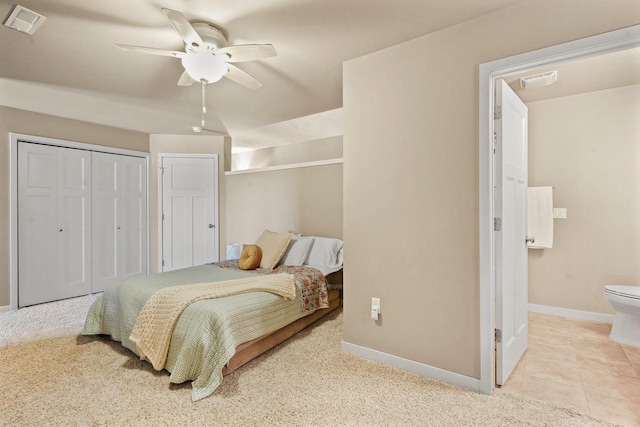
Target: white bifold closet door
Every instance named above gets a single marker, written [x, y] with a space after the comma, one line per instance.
[119, 219]
[54, 223]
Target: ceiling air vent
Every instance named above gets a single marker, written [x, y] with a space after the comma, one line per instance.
[24, 20]
[539, 80]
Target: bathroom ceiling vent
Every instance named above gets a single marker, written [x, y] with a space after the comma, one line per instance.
[24, 20]
[539, 80]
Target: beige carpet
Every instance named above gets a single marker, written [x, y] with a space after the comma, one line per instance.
[51, 376]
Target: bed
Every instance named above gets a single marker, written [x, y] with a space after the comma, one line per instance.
[214, 337]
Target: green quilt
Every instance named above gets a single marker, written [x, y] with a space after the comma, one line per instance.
[207, 332]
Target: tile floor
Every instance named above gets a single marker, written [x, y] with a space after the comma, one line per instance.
[573, 363]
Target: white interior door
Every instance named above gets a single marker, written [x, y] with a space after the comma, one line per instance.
[132, 224]
[54, 223]
[37, 224]
[510, 238]
[120, 219]
[74, 220]
[189, 211]
[106, 206]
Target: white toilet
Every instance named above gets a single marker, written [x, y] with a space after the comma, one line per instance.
[626, 301]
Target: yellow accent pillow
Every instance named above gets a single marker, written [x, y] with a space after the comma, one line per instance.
[250, 258]
[273, 246]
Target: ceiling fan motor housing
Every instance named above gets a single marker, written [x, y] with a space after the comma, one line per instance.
[212, 37]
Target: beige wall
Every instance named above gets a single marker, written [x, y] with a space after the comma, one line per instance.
[588, 147]
[186, 144]
[320, 149]
[25, 122]
[411, 177]
[304, 200]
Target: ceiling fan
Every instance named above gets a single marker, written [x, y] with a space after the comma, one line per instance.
[207, 58]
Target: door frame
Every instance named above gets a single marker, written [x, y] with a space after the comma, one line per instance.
[13, 195]
[612, 41]
[216, 194]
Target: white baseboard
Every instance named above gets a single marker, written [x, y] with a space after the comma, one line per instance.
[5, 308]
[574, 314]
[412, 366]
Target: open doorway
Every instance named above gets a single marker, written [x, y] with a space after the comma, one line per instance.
[583, 145]
[490, 73]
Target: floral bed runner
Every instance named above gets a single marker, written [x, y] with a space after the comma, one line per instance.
[310, 281]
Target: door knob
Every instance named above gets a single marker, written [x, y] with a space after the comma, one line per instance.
[60, 230]
[211, 226]
[529, 239]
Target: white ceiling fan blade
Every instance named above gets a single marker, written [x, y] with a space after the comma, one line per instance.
[185, 80]
[183, 27]
[151, 50]
[248, 52]
[200, 129]
[241, 77]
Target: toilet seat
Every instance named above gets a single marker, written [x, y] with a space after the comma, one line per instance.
[625, 291]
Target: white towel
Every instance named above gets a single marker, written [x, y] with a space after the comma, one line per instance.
[540, 217]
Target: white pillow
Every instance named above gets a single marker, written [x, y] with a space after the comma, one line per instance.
[325, 252]
[298, 250]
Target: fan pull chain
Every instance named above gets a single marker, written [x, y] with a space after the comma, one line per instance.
[204, 108]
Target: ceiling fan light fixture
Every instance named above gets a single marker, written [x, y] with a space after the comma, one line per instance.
[204, 66]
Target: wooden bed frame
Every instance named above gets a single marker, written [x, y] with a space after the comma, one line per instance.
[251, 349]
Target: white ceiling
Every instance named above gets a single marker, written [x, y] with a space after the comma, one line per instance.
[70, 67]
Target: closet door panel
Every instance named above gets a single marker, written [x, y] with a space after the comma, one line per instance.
[37, 224]
[106, 206]
[134, 249]
[133, 216]
[74, 222]
[104, 241]
[176, 238]
[200, 240]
